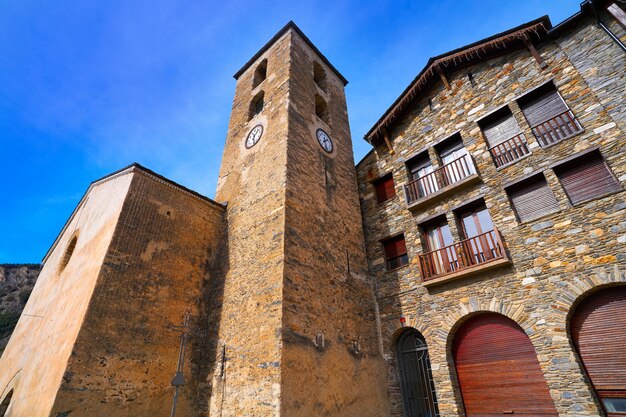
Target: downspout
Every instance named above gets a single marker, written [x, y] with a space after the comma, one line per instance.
[596, 12]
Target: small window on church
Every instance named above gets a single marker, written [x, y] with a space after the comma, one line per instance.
[4, 406]
[68, 253]
[260, 74]
[256, 106]
[319, 75]
[321, 109]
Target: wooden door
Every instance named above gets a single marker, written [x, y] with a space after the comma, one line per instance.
[476, 223]
[439, 243]
[498, 371]
[598, 329]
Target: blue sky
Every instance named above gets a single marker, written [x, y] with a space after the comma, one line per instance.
[88, 87]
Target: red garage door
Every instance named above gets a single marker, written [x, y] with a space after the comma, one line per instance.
[498, 370]
[598, 329]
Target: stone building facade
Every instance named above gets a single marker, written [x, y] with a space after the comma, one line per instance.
[552, 260]
[316, 289]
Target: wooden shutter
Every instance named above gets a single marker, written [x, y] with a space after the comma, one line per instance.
[395, 247]
[385, 188]
[532, 198]
[598, 329]
[499, 129]
[498, 371]
[587, 177]
[541, 105]
[450, 145]
[418, 162]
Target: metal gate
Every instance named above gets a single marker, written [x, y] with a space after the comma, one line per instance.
[416, 380]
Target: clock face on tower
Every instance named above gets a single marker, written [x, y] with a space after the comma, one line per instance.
[254, 136]
[324, 140]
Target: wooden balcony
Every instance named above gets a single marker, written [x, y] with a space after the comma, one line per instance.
[556, 129]
[509, 151]
[468, 256]
[454, 173]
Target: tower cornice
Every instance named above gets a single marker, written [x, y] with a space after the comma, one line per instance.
[290, 25]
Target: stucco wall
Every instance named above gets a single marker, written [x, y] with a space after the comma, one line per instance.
[35, 360]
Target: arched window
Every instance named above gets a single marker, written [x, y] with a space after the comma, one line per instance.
[256, 105]
[321, 109]
[416, 379]
[260, 74]
[319, 75]
[69, 250]
[4, 406]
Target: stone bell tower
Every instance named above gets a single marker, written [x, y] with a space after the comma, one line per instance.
[297, 327]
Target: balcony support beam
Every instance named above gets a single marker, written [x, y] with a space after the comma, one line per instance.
[443, 77]
[531, 47]
[388, 141]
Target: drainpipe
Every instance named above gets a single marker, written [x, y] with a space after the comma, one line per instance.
[596, 12]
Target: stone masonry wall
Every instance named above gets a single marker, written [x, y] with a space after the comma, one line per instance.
[555, 259]
[252, 183]
[326, 287]
[601, 63]
[163, 260]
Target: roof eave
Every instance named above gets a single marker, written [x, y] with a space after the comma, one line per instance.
[384, 119]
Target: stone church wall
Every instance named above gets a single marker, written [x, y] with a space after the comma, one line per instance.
[327, 290]
[555, 258]
[252, 183]
[163, 260]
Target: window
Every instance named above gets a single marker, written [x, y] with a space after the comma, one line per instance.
[260, 74]
[416, 379]
[256, 105]
[395, 252]
[548, 115]
[69, 250]
[4, 406]
[481, 244]
[321, 109]
[319, 76]
[455, 161]
[532, 198]
[441, 257]
[385, 189]
[504, 137]
[423, 180]
[586, 177]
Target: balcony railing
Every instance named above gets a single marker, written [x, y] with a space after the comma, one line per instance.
[432, 182]
[510, 150]
[464, 255]
[561, 126]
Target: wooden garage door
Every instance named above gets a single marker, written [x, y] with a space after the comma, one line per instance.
[498, 370]
[598, 329]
